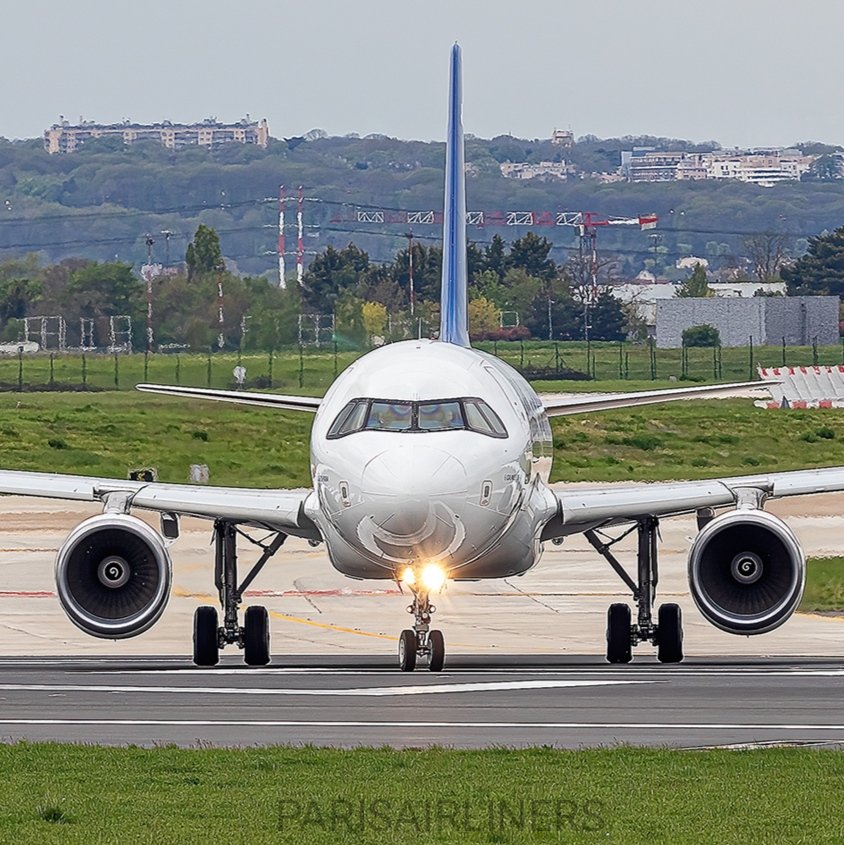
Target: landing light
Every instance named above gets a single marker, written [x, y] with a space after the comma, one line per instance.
[408, 576]
[433, 577]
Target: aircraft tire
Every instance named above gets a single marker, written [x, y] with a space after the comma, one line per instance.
[407, 650]
[669, 647]
[206, 647]
[619, 647]
[256, 636]
[436, 642]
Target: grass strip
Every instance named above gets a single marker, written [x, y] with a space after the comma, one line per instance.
[109, 433]
[824, 591]
[69, 794]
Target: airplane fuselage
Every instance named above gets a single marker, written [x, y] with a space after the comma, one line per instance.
[423, 451]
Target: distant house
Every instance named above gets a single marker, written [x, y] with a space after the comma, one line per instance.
[562, 138]
[523, 170]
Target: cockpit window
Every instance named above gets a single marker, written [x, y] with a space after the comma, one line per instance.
[350, 419]
[483, 419]
[439, 415]
[390, 416]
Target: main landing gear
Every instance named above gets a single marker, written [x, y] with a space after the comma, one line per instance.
[254, 636]
[667, 633]
[421, 640]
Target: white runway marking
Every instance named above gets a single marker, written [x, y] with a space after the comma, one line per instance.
[421, 689]
[291, 723]
[656, 671]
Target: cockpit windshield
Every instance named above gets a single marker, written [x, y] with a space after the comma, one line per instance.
[439, 415]
[390, 416]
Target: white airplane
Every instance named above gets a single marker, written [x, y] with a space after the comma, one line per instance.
[430, 461]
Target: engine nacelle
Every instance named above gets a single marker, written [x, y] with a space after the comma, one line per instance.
[746, 572]
[113, 576]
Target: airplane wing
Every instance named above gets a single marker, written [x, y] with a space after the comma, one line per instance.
[281, 510]
[239, 397]
[579, 509]
[564, 405]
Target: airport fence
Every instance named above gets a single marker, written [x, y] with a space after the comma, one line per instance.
[311, 371]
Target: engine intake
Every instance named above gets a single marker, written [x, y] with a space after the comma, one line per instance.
[113, 576]
[746, 572]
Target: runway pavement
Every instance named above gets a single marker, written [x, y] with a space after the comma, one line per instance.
[478, 701]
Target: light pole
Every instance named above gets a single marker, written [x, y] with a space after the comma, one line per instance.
[167, 235]
[409, 236]
[149, 243]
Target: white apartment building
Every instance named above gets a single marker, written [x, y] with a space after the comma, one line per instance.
[758, 167]
[523, 170]
[65, 137]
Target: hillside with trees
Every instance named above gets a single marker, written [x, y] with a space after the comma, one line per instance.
[100, 202]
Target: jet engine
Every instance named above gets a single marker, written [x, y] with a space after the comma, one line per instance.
[746, 572]
[113, 576]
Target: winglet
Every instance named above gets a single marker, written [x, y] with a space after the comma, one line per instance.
[454, 321]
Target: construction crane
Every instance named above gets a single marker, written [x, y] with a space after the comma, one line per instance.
[587, 224]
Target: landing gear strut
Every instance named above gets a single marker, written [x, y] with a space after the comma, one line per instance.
[622, 635]
[421, 640]
[254, 637]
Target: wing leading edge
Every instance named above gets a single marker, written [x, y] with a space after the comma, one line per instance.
[238, 397]
[563, 406]
[281, 510]
[582, 508]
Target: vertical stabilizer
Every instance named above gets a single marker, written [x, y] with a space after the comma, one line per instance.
[454, 321]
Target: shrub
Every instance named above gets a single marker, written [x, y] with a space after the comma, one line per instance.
[645, 442]
[703, 335]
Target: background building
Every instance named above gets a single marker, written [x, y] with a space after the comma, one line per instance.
[799, 320]
[66, 138]
[764, 167]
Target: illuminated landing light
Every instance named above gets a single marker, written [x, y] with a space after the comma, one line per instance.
[433, 577]
[408, 576]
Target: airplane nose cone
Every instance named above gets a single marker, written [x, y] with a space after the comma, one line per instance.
[419, 471]
[410, 488]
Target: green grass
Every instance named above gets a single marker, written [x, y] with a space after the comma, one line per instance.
[77, 794]
[312, 375]
[615, 366]
[109, 433]
[824, 585]
[692, 440]
[611, 361]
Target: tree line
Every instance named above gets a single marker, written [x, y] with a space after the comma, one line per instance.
[100, 201]
[516, 292]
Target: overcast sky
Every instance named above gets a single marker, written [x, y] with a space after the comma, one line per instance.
[742, 72]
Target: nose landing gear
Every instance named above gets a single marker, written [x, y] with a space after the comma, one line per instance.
[421, 640]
